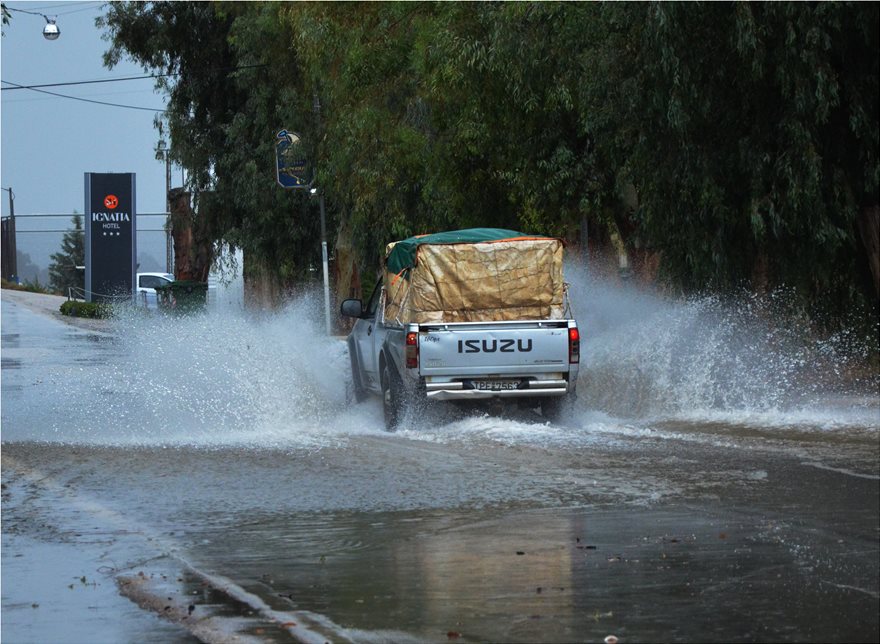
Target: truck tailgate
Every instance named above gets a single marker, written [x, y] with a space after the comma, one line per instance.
[497, 348]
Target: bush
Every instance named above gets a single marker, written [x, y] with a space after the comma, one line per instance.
[85, 309]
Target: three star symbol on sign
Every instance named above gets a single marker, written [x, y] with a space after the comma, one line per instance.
[111, 234]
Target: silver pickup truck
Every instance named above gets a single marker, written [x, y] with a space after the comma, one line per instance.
[530, 361]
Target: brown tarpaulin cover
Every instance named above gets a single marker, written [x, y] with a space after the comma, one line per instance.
[517, 279]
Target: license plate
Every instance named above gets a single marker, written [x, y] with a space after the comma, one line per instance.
[496, 385]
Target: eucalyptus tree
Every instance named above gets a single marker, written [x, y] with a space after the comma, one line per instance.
[744, 136]
[450, 115]
[751, 134]
[231, 82]
[374, 145]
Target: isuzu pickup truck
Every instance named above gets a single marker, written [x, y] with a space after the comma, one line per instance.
[466, 315]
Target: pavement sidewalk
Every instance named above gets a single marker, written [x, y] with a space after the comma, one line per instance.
[50, 305]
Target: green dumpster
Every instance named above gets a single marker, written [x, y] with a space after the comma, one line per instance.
[182, 296]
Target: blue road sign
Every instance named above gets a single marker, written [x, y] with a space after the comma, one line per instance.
[291, 167]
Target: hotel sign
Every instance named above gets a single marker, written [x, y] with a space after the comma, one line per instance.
[111, 235]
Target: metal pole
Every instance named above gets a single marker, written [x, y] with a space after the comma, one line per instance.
[13, 236]
[324, 261]
[316, 108]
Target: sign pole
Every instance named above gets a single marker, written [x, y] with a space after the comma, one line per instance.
[292, 172]
[324, 261]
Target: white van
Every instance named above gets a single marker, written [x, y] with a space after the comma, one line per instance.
[146, 288]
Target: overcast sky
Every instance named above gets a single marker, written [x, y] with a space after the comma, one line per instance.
[49, 142]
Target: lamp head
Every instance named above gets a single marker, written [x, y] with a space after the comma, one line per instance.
[51, 30]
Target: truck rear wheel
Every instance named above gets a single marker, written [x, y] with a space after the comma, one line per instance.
[392, 398]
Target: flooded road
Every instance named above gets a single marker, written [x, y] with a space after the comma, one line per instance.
[211, 471]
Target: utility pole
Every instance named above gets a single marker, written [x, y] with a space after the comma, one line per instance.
[12, 248]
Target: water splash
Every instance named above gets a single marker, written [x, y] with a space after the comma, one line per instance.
[277, 381]
[647, 356]
[219, 379]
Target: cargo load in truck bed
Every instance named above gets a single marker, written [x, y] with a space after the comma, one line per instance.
[474, 275]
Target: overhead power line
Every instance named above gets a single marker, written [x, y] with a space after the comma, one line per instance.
[37, 11]
[116, 80]
[33, 13]
[86, 100]
[86, 82]
[90, 8]
[81, 5]
[36, 88]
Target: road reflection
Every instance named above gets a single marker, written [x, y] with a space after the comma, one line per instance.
[671, 574]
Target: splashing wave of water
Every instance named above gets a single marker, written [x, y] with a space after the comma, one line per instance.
[645, 356]
[278, 381]
[218, 380]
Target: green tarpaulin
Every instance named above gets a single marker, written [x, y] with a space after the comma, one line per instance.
[475, 275]
[403, 255]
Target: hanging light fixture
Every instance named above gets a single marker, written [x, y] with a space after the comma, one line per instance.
[51, 30]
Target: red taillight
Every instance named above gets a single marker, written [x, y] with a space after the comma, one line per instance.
[412, 350]
[574, 345]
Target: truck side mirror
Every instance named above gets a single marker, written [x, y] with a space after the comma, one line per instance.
[352, 308]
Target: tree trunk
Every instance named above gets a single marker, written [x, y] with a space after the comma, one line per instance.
[262, 287]
[193, 247]
[348, 278]
[761, 273]
[869, 227]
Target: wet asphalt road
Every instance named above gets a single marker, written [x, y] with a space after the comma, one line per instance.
[460, 528]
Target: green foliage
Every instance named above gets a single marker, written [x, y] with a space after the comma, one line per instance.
[96, 310]
[747, 136]
[63, 272]
[420, 134]
[744, 135]
[232, 86]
